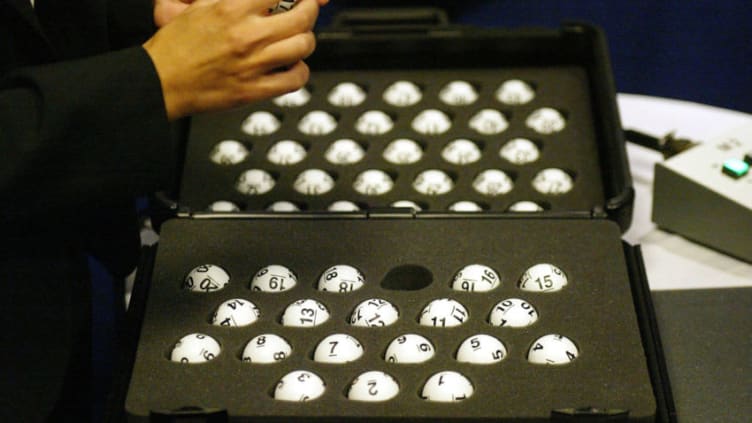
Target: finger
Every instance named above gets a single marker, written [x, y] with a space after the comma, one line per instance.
[244, 7]
[278, 83]
[281, 53]
[300, 18]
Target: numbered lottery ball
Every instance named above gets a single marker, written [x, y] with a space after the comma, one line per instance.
[282, 6]
[403, 151]
[447, 386]
[465, 207]
[317, 122]
[373, 182]
[274, 278]
[409, 348]
[476, 278]
[443, 312]
[402, 94]
[514, 92]
[344, 152]
[296, 98]
[481, 349]
[235, 312]
[255, 182]
[543, 277]
[343, 206]
[513, 313]
[493, 182]
[526, 207]
[374, 312]
[338, 348]
[223, 207]
[195, 348]
[266, 348]
[458, 93]
[346, 94]
[305, 313]
[286, 152]
[341, 278]
[283, 207]
[520, 151]
[553, 349]
[299, 385]
[374, 122]
[553, 181]
[431, 122]
[461, 152]
[260, 123]
[489, 122]
[228, 152]
[206, 278]
[433, 182]
[313, 182]
[406, 204]
[373, 386]
[546, 121]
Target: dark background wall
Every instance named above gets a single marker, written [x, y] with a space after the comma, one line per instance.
[697, 50]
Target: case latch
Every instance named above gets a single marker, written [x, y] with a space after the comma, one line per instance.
[590, 415]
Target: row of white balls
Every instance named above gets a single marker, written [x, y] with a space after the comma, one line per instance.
[541, 277]
[406, 93]
[545, 120]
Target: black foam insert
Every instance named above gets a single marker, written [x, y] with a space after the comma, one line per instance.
[595, 310]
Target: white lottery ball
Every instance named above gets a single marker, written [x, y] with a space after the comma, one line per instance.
[313, 182]
[402, 94]
[317, 122]
[228, 152]
[443, 312]
[260, 123]
[341, 278]
[433, 182]
[543, 277]
[283, 207]
[406, 204]
[458, 93]
[481, 349]
[513, 313]
[286, 152]
[273, 278]
[344, 152]
[338, 348]
[546, 121]
[525, 207]
[343, 206]
[195, 348]
[299, 385]
[373, 386]
[255, 182]
[447, 386]
[465, 206]
[266, 348]
[206, 278]
[236, 312]
[293, 99]
[223, 207]
[476, 278]
[515, 91]
[374, 312]
[403, 151]
[520, 151]
[493, 182]
[553, 349]
[282, 6]
[374, 122]
[346, 94]
[431, 122]
[489, 122]
[305, 313]
[461, 152]
[373, 182]
[409, 348]
[553, 181]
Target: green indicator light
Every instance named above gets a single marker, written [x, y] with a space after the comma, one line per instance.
[735, 167]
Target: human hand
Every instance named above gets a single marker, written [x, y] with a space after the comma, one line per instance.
[218, 54]
[166, 10]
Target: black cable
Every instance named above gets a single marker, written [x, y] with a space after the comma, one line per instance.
[668, 145]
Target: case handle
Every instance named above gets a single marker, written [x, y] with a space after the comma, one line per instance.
[390, 19]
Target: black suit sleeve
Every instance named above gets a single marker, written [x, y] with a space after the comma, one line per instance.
[130, 22]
